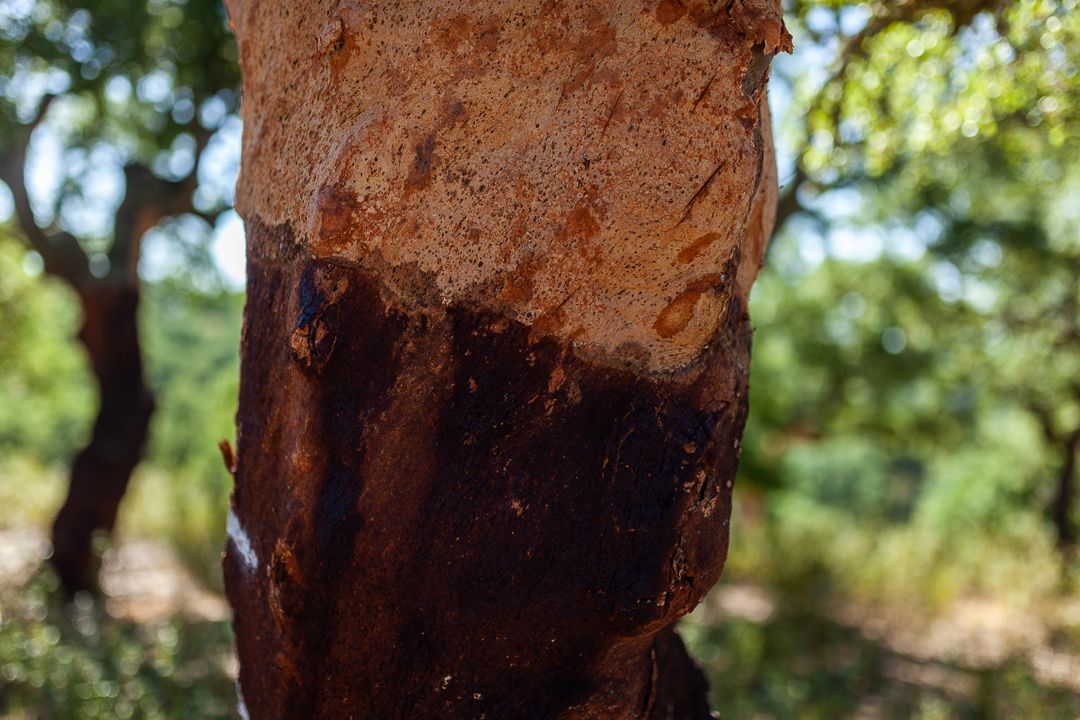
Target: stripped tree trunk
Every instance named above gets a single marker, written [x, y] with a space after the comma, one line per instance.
[495, 353]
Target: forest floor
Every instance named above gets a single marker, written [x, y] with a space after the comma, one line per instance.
[159, 645]
[143, 581]
[972, 633]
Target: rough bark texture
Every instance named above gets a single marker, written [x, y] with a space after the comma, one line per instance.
[495, 350]
[101, 471]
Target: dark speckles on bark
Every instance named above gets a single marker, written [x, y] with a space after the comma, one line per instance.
[420, 174]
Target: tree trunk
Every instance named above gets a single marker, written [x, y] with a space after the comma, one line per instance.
[1062, 507]
[101, 471]
[495, 352]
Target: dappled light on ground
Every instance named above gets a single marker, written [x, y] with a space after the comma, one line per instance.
[155, 646]
[771, 656]
[158, 645]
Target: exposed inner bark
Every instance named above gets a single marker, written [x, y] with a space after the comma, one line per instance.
[438, 516]
[101, 471]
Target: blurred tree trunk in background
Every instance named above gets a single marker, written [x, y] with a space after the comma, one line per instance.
[495, 351]
[109, 300]
[1065, 497]
[102, 469]
[1067, 442]
[140, 89]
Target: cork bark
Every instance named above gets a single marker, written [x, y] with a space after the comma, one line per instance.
[495, 351]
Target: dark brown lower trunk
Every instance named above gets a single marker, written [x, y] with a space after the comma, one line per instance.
[1061, 510]
[437, 514]
[101, 471]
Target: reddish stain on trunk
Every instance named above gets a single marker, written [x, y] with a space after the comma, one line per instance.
[669, 11]
[674, 318]
[697, 247]
[382, 595]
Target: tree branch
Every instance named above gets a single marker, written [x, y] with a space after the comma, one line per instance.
[883, 16]
[60, 251]
[147, 201]
[1045, 417]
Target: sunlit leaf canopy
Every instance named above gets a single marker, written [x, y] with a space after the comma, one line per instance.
[955, 124]
[135, 85]
[916, 78]
[919, 315]
[968, 109]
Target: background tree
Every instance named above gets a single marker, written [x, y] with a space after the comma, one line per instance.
[126, 98]
[943, 134]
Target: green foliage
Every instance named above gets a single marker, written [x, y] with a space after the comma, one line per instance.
[192, 340]
[135, 102]
[192, 358]
[920, 77]
[68, 662]
[134, 76]
[47, 390]
[192, 344]
[914, 386]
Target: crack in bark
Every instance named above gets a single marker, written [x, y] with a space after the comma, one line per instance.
[650, 689]
[704, 91]
[611, 113]
[700, 192]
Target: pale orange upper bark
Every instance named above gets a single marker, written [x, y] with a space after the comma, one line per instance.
[602, 171]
